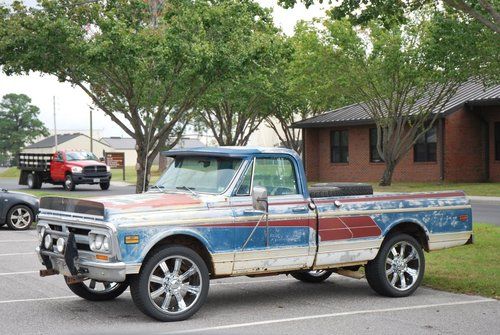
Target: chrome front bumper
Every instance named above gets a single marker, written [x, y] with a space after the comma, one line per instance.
[71, 264]
[101, 271]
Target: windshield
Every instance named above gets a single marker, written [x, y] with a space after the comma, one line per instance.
[199, 174]
[80, 156]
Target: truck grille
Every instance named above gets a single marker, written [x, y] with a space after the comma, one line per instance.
[81, 235]
[94, 171]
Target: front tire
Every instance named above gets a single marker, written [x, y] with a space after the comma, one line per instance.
[69, 183]
[104, 186]
[312, 276]
[20, 217]
[94, 290]
[399, 267]
[172, 284]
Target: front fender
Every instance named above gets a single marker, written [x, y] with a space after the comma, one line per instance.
[148, 238]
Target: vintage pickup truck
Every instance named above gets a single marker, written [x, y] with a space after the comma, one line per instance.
[220, 212]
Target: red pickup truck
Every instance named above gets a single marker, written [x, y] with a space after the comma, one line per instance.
[67, 168]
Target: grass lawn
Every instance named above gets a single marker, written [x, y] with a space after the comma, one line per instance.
[470, 269]
[482, 189]
[131, 176]
[12, 172]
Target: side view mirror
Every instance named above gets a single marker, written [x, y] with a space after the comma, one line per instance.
[101, 159]
[259, 198]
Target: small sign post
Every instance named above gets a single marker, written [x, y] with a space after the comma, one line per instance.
[116, 160]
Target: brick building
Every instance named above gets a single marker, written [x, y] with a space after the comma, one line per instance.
[463, 146]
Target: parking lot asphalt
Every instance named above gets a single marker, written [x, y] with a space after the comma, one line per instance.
[30, 304]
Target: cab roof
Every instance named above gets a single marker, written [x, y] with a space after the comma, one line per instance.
[228, 151]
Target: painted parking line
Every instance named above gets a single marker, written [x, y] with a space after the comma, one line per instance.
[76, 297]
[15, 241]
[17, 273]
[18, 254]
[332, 315]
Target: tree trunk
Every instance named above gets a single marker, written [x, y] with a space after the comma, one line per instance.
[386, 179]
[143, 169]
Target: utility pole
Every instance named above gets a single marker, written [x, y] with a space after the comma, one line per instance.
[91, 138]
[55, 125]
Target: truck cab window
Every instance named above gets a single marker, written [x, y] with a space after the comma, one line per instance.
[277, 175]
[246, 184]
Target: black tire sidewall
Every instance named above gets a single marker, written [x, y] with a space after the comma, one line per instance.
[31, 181]
[72, 186]
[9, 214]
[81, 290]
[375, 269]
[306, 277]
[139, 286]
[104, 186]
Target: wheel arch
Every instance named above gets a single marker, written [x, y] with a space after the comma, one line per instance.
[411, 227]
[186, 238]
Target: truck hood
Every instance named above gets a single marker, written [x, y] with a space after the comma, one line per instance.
[85, 163]
[124, 204]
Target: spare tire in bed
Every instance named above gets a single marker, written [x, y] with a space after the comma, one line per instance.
[323, 190]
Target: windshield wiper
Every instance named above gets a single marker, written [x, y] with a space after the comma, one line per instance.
[190, 189]
[159, 188]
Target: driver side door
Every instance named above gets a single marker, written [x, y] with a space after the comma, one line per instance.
[285, 238]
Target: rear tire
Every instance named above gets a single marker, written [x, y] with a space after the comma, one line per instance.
[33, 181]
[104, 186]
[94, 292]
[172, 284]
[312, 276]
[69, 183]
[399, 267]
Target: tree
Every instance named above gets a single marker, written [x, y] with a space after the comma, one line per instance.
[404, 75]
[233, 109]
[19, 123]
[396, 11]
[305, 85]
[145, 64]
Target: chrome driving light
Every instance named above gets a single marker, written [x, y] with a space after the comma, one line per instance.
[60, 244]
[48, 241]
[40, 234]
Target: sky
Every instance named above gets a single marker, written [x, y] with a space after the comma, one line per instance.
[72, 105]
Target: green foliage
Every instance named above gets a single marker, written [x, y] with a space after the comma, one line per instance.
[396, 12]
[233, 108]
[404, 75]
[145, 66]
[19, 124]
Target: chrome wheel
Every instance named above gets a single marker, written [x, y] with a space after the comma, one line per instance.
[20, 218]
[317, 273]
[175, 285]
[402, 266]
[95, 286]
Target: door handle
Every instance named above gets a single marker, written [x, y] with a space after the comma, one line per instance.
[252, 212]
[301, 209]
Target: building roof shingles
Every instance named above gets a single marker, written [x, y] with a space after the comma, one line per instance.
[473, 92]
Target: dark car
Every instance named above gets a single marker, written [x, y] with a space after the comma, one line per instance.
[17, 210]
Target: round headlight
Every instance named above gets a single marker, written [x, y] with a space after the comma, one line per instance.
[41, 233]
[105, 244]
[60, 244]
[98, 241]
[48, 241]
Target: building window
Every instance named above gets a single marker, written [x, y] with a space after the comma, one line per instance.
[425, 148]
[497, 141]
[374, 155]
[339, 146]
